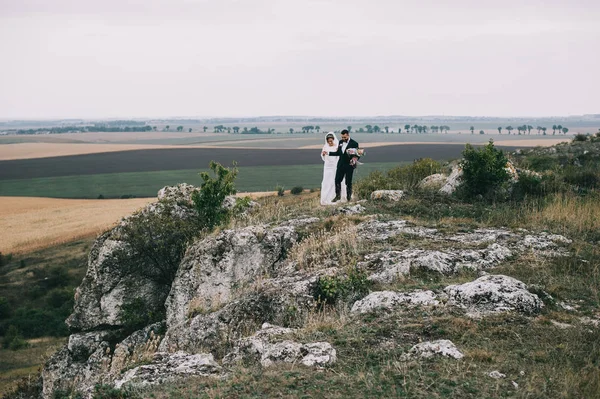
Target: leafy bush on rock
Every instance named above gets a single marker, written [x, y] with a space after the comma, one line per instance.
[483, 171]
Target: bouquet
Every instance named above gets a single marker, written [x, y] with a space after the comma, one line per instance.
[355, 153]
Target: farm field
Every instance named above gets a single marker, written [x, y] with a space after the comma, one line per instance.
[28, 224]
[177, 159]
[12, 143]
[147, 184]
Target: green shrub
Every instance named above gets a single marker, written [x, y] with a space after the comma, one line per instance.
[5, 309]
[280, 191]
[5, 259]
[208, 201]
[483, 171]
[101, 196]
[582, 178]
[156, 242]
[13, 339]
[297, 190]
[35, 322]
[580, 137]
[136, 315]
[109, 392]
[541, 163]
[331, 289]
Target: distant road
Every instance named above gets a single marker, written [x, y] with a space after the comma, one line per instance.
[198, 158]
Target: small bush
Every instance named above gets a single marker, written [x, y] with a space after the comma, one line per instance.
[208, 201]
[101, 196]
[582, 178]
[280, 191]
[580, 137]
[13, 339]
[109, 392]
[136, 315]
[331, 289]
[483, 171]
[297, 190]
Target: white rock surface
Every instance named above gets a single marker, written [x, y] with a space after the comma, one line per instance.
[351, 210]
[391, 299]
[442, 347]
[433, 182]
[387, 195]
[494, 293]
[496, 374]
[381, 231]
[168, 367]
[453, 181]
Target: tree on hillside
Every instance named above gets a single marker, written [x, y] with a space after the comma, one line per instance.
[291, 130]
[481, 132]
[245, 130]
[154, 128]
[387, 129]
[499, 129]
[509, 128]
[204, 129]
[167, 128]
[553, 130]
[376, 129]
[349, 129]
[236, 129]
[369, 128]
[565, 130]
[318, 128]
[180, 128]
[189, 130]
[559, 128]
[544, 130]
[406, 128]
[529, 127]
[539, 128]
[472, 129]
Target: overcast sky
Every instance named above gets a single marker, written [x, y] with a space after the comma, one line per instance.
[158, 58]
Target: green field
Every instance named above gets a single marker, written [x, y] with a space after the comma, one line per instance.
[147, 184]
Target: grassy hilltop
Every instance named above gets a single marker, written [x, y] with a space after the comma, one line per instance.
[552, 355]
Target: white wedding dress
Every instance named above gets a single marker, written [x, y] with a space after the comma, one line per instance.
[329, 169]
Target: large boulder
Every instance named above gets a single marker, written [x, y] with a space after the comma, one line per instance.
[214, 267]
[494, 293]
[433, 182]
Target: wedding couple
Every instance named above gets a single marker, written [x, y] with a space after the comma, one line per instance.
[340, 159]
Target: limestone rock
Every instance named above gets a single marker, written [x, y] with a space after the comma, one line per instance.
[169, 367]
[351, 210]
[433, 182]
[181, 193]
[214, 266]
[300, 222]
[442, 347]
[453, 181]
[387, 195]
[263, 348]
[496, 375]
[391, 299]
[494, 293]
[380, 231]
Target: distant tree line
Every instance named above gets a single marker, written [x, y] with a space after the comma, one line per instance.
[78, 129]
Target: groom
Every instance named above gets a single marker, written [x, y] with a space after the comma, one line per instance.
[344, 167]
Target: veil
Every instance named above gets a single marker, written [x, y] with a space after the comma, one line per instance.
[326, 146]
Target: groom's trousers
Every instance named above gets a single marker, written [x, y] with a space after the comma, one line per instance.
[344, 171]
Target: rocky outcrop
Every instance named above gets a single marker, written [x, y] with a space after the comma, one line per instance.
[494, 293]
[376, 230]
[351, 210]
[391, 299]
[387, 195]
[433, 182]
[214, 267]
[167, 367]
[264, 348]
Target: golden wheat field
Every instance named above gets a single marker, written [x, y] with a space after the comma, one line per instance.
[30, 223]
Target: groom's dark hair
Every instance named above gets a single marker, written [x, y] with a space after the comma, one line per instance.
[345, 131]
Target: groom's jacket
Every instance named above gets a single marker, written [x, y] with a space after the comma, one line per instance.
[344, 159]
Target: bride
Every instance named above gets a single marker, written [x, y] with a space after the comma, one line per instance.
[329, 169]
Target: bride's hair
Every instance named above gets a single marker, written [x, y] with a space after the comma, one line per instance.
[329, 136]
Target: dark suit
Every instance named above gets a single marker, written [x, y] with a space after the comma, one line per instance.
[344, 169]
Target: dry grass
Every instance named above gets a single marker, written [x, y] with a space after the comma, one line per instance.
[567, 213]
[29, 223]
